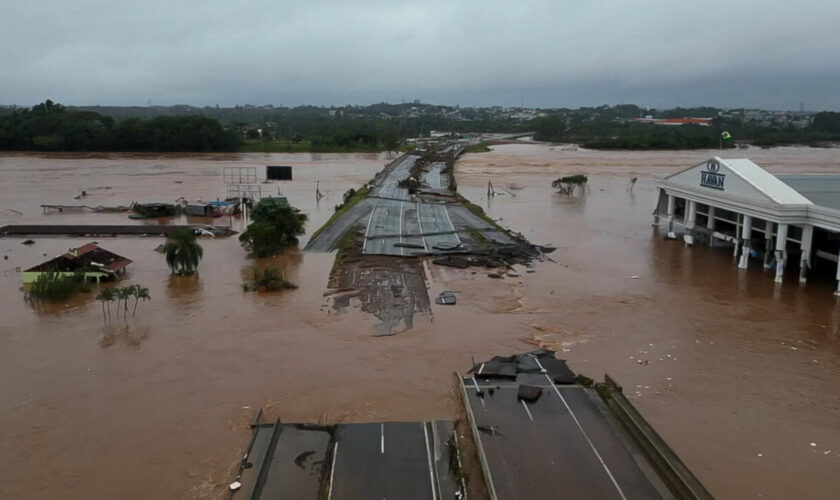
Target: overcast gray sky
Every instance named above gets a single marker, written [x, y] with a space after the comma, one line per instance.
[658, 53]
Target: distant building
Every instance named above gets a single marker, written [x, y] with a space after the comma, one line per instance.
[675, 121]
[96, 263]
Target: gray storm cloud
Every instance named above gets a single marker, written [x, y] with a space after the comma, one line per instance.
[552, 53]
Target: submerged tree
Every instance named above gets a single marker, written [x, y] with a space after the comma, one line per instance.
[122, 295]
[568, 184]
[183, 252]
[275, 225]
[140, 293]
[55, 286]
[270, 280]
[106, 296]
[101, 298]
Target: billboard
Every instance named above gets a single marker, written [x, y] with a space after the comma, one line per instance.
[278, 173]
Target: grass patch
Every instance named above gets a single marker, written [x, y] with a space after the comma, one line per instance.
[349, 202]
[345, 244]
[481, 147]
[480, 239]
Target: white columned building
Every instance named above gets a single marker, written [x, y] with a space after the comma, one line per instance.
[786, 220]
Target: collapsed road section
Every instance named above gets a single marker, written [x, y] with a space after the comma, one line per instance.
[541, 434]
[405, 460]
[410, 210]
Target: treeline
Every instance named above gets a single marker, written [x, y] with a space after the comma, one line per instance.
[376, 127]
[51, 127]
[610, 132]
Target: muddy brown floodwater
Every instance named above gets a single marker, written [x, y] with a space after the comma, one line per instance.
[740, 376]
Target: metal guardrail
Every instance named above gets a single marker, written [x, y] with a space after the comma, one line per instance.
[679, 479]
[485, 467]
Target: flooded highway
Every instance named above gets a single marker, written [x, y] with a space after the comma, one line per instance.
[739, 375]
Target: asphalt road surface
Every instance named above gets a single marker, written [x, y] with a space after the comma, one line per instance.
[560, 446]
[383, 461]
[398, 223]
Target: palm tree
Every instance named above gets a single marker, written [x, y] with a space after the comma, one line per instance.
[101, 298]
[122, 295]
[129, 291]
[108, 295]
[182, 252]
[140, 293]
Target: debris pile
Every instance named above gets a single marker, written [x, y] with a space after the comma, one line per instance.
[499, 256]
[540, 361]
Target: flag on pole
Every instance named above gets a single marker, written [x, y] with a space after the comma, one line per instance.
[725, 135]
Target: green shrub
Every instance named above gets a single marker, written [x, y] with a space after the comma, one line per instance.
[53, 286]
[270, 280]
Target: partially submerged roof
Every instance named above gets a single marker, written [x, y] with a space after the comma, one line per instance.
[88, 258]
[740, 178]
[821, 189]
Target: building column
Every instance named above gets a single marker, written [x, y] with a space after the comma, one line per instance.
[672, 207]
[710, 225]
[690, 222]
[805, 258]
[746, 234]
[768, 244]
[781, 252]
[837, 292]
[737, 236]
[656, 207]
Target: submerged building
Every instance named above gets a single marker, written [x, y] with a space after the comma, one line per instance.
[782, 221]
[96, 263]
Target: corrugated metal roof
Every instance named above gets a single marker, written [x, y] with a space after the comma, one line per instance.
[765, 182]
[821, 189]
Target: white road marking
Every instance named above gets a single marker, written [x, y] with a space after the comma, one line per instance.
[431, 464]
[402, 250]
[580, 428]
[445, 211]
[367, 229]
[478, 393]
[420, 224]
[526, 409]
[382, 438]
[332, 470]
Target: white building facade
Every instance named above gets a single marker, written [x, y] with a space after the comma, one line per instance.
[784, 221]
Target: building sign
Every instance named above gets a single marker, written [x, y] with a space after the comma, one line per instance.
[711, 177]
